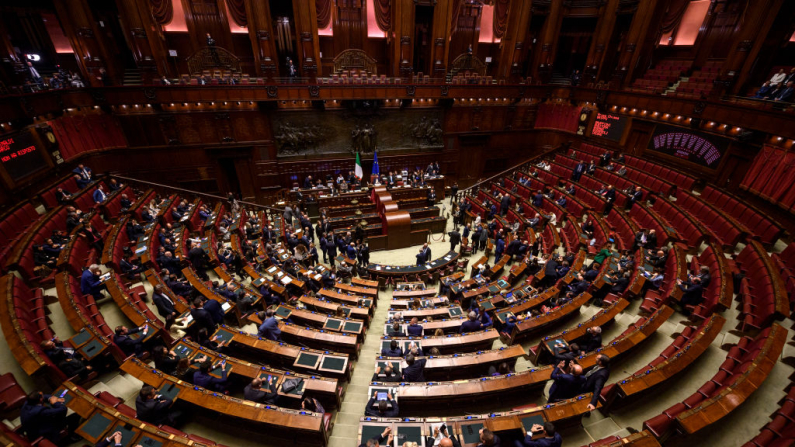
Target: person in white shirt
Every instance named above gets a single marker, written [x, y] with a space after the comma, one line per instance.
[778, 78]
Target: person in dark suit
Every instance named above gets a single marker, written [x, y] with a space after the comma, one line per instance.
[394, 330]
[415, 371]
[420, 257]
[269, 327]
[215, 310]
[426, 251]
[153, 408]
[578, 171]
[455, 238]
[505, 204]
[99, 195]
[488, 438]
[538, 199]
[201, 317]
[388, 375]
[786, 94]
[393, 351]
[545, 436]
[114, 440]
[636, 196]
[550, 272]
[198, 259]
[254, 392]
[382, 410]
[595, 379]
[43, 421]
[566, 381]
[203, 378]
[499, 249]
[165, 306]
[414, 329]
[566, 354]
[85, 174]
[471, 325]
[62, 196]
[90, 284]
[693, 291]
[704, 276]
[384, 438]
[591, 340]
[126, 343]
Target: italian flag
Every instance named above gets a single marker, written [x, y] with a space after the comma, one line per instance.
[358, 170]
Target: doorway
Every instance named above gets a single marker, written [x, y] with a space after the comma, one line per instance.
[574, 41]
[229, 179]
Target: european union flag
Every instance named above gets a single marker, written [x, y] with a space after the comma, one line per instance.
[376, 169]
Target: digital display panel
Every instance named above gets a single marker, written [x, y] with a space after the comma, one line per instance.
[609, 126]
[693, 146]
[20, 156]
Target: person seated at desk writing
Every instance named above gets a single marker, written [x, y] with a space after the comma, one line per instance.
[153, 408]
[90, 282]
[170, 363]
[415, 372]
[541, 436]
[414, 350]
[382, 409]
[414, 329]
[203, 378]
[393, 351]
[255, 393]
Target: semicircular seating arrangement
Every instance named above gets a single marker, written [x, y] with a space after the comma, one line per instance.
[494, 377]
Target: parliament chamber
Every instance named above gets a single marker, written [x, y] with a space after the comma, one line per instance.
[529, 223]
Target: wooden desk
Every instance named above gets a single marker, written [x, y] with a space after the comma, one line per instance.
[603, 317]
[350, 300]
[365, 283]
[455, 343]
[404, 303]
[433, 312]
[411, 294]
[358, 290]
[278, 352]
[308, 424]
[380, 270]
[456, 366]
[529, 325]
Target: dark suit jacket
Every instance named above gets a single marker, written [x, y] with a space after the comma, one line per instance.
[203, 319]
[127, 344]
[594, 384]
[42, 420]
[260, 395]
[414, 330]
[369, 410]
[153, 411]
[165, 306]
[564, 386]
[215, 310]
[415, 372]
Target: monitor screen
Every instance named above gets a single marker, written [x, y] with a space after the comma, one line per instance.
[20, 156]
[609, 126]
[691, 145]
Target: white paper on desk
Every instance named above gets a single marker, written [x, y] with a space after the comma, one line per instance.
[388, 268]
[226, 306]
[141, 250]
[189, 319]
[447, 257]
[378, 267]
[286, 280]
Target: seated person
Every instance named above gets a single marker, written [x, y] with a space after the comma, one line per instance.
[170, 363]
[388, 375]
[393, 351]
[693, 292]
[203, 378]
[90, 284]
[65, 358]
[488, 438]
[565, 354]
[129, 345]
[471, 325]
[382, 410]
[254, 392]
[395, 331]
[501, 370]
[545, 434]
[591, 340]
[414, 329]
[154, 408]
[40, 420]
[203, 338]
[313, 405]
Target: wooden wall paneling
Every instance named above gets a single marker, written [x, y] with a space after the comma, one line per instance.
[350, 25]
[142, 39]
[260, 33]
[545, 57]
[466, 30]
[306, 37]
[207, 16]
[630, 52]
[87, 41]
[511, 58]
[600, 41]
[442, 22]
[402, 47]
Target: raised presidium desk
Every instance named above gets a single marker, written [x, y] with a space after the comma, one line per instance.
[429, 267]
[289, 423]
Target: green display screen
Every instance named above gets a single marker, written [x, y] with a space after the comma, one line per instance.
[333, 363]
[352, 326]
[308, 360]
[471, 432]
[96, 426]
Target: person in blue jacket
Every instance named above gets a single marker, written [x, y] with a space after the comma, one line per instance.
[203, 378]
[90, 284]
[40, 420]
[270, 327]
[545, 435]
